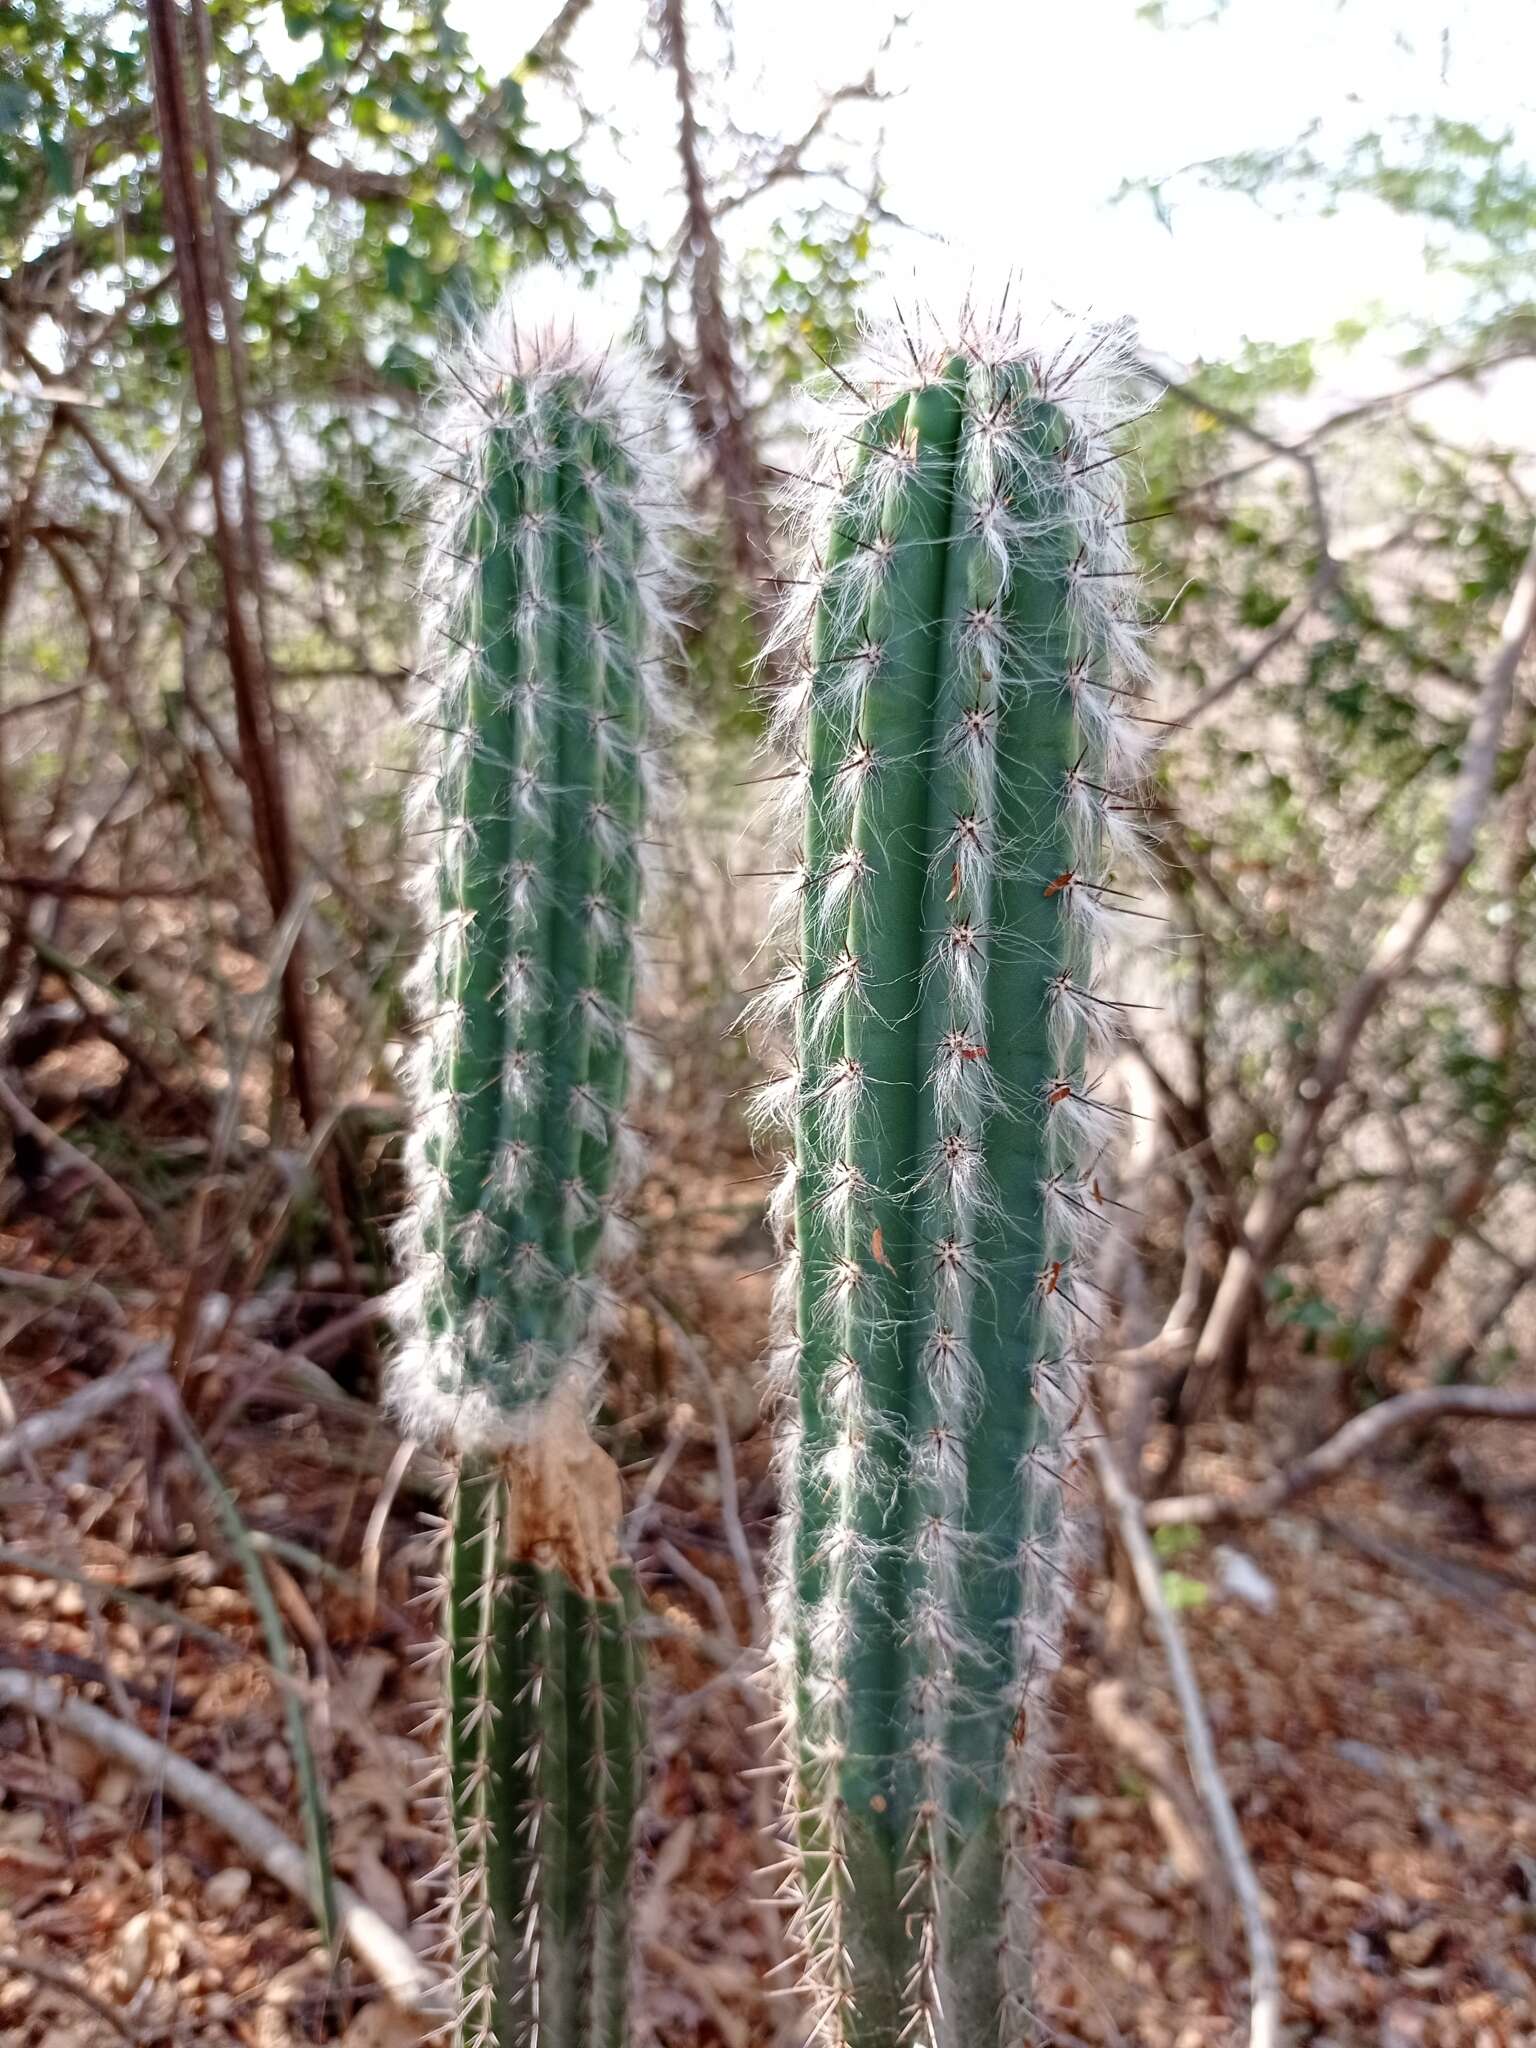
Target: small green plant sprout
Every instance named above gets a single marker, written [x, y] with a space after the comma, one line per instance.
[549, 583]
[960, 718]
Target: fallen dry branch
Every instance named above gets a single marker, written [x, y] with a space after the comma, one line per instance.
[62, 1291]
[1361, 1434]
[1126, 1512]
[397, 1969]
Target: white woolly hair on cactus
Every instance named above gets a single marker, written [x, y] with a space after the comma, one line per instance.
[552, 493]
[956, 677]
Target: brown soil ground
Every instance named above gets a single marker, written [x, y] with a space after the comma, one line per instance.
[1373, 1713]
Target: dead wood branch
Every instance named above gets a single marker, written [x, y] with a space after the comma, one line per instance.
[189, 205]
[1169, 1799]
[14, 1963]
[399, 1972]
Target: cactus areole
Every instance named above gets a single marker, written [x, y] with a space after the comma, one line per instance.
[548, 582]
[960, 679]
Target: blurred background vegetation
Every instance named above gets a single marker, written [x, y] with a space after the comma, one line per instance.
[1327, 581]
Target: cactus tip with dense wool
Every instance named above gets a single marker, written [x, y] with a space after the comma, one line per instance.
[548, 584]
[958, 704]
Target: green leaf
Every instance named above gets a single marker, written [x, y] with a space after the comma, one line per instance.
[60, 168]
[1181, 1592]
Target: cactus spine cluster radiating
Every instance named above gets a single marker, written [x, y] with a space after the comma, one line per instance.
[957, 720]
[548, 584]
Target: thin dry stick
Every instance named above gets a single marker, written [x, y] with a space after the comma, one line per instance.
[712, 381]
[1494, 1312]
[186, 198]
[62, 1290]
[54, 1426]
[106, 892]
[1204, 1769]
[1362, 1433]
[765, 1768]
[373, 1535]
[1324, 577]
[725, 1460]
[655, 1480]
[398, 1971]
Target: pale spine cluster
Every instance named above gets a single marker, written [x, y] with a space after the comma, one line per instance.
[963, 738]
[548, 587]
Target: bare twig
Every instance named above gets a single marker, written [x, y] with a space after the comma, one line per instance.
[1477, 1179]
[656, 1478]
[188, 203]
[1169, 1800]
[1125, 1510]
[1494, 1312]
[106, 892]
[400, 1973]
[1359, 1436]
[101, 1593]
[701, 1583]
[1274, 1211]
[549, 52]
[725, 1460]
[63, 1291]
[1467, 371]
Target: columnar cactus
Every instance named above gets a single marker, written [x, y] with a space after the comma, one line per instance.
[548, 588]
[957, 719]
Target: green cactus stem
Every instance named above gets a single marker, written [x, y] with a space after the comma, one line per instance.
[548, 579]
[958, 717]
[544, 1773]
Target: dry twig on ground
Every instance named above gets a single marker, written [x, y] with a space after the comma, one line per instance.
[1126, 1512]
[399, 1972]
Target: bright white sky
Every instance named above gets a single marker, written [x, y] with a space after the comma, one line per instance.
[1018, 119]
